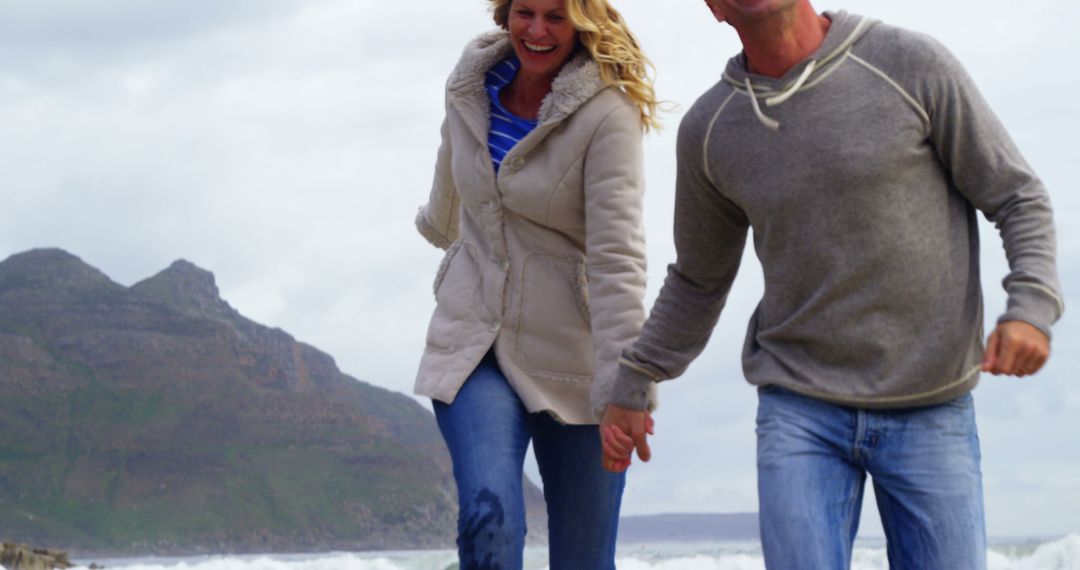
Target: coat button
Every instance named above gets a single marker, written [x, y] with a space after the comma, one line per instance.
[495, 327]
[517, 163]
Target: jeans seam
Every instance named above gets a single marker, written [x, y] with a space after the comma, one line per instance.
[888, 525]
[848, 518]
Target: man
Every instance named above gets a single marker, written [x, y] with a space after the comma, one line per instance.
[858, 153]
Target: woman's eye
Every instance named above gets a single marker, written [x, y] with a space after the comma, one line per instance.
[555, 19]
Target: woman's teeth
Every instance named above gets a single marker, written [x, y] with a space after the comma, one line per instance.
[538, 48]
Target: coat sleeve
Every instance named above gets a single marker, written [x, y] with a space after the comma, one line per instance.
[437, 220]
[988, 169]
[614, 240]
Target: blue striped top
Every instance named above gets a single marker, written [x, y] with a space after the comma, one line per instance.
[506, 128]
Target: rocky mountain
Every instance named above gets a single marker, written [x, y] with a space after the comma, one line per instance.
[156, 419]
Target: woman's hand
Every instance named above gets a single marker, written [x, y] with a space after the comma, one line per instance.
[621, 432]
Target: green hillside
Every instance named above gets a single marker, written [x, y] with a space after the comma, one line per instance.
[157, 419]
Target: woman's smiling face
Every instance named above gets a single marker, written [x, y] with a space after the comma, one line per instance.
[542, 35]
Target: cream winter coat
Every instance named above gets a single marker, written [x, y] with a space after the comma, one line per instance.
[547, 261]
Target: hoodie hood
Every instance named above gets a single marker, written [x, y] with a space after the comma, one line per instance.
[846, 29]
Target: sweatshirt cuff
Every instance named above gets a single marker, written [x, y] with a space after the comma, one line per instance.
[630, 388]
[1033, 304]
[429, 232]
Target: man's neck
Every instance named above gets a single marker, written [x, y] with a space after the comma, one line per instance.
[776, 44]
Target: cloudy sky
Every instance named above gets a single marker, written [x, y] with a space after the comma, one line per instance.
[285, 146]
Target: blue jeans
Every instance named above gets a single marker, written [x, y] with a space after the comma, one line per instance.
[813, 459]
[487, 430]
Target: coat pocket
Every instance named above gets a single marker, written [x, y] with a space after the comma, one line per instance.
[444, 265]
[554, 339]
[456, 288]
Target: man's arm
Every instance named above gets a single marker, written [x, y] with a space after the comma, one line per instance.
[710, 233]
[988, 169]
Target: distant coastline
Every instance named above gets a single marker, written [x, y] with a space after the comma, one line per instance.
[689, 527]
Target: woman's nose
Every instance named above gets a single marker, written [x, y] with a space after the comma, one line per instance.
[538, 28]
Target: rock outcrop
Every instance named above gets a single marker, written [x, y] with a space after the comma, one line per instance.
[157, 419]
[22, 557]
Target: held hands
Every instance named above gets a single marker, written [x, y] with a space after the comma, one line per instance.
[621, 432]
[1016, 348]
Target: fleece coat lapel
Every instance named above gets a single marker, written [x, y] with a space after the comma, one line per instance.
[577, 82]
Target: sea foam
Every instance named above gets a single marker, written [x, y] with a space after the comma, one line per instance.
[1060, 554]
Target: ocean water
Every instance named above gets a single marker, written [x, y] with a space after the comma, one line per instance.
[1015, 554]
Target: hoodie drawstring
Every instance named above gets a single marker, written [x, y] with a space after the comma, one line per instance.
[777, 99]
[768, 122]
[786, 94]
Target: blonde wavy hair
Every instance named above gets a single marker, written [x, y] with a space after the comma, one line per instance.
[602, 31]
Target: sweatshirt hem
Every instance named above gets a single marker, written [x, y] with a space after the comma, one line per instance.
[938, 395]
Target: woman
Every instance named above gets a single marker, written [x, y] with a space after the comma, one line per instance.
[537, 200]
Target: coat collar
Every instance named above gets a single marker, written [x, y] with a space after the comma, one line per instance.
[577, 82]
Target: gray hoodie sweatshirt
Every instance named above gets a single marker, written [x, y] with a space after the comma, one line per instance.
[860, 172]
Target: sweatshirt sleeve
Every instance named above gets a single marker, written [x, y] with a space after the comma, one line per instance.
[710, 233]
[988, 169]
[437, 220]
[614, 187]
